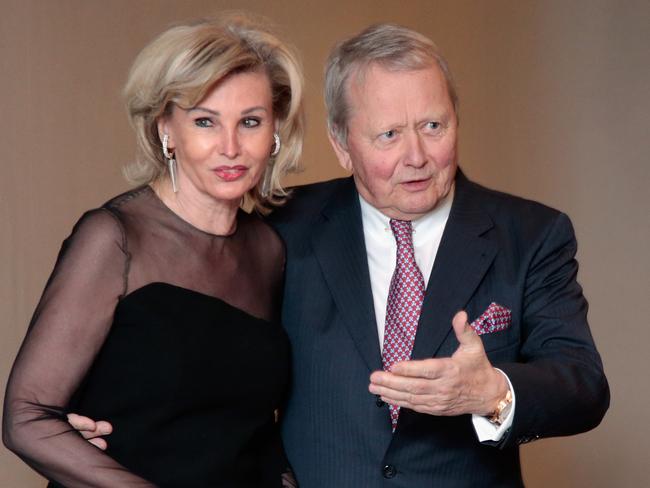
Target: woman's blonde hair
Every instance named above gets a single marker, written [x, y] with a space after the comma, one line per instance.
[184, 62]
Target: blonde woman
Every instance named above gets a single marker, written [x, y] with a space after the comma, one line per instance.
[162, 312]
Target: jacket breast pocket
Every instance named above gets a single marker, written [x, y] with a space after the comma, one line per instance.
[495, 327]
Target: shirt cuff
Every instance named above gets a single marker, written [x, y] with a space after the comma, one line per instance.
[486, 430]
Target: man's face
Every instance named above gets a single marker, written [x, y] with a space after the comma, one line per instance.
[401, 145]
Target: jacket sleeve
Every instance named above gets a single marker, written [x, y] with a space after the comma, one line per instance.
[559, 381]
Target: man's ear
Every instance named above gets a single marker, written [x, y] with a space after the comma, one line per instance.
[342, 153]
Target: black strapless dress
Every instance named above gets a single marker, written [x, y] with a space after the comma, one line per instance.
[172, 335]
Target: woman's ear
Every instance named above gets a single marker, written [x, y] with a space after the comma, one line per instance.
[162, 124]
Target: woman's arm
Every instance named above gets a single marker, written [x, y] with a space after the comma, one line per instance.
[67, 331]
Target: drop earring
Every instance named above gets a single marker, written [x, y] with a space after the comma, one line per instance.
[276, 144]
[266, 182]
[171, 162]
[268, 174]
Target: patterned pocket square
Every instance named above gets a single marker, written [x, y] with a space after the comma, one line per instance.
[494, 319]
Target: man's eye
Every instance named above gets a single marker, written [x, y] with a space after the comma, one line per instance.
[433, 125]
[203, 122]
[250, 122]
[389, 134]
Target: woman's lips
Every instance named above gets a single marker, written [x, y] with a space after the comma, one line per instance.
[230, 173]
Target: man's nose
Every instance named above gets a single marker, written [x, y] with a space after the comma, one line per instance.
[230, 146]
[415, 154]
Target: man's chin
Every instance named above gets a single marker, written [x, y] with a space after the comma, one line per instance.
[410, 212]
[417, 205]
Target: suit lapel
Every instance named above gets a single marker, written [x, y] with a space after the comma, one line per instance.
[463, 258]
[339, 247]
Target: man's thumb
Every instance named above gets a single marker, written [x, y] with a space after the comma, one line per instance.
[464, 332]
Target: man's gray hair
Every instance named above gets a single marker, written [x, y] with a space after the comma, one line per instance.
[391, 46]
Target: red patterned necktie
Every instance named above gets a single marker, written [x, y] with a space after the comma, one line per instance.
[405, 298]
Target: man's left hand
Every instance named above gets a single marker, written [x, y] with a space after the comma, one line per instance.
[465, 383]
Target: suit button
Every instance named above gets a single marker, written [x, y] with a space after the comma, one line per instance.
[389, 471]
[379, 402]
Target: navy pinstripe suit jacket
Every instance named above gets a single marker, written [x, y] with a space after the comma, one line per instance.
[495, 248]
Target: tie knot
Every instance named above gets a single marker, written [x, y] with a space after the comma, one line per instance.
[402, 230]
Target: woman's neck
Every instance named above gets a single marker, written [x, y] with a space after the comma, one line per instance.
[202, 211]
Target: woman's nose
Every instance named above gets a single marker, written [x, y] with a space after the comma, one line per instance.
[230, 146]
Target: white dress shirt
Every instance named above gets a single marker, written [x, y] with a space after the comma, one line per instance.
[381, 249]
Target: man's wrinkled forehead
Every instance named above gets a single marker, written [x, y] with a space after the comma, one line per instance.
[357, 80]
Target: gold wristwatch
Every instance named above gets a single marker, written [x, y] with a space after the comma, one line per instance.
[503, 409]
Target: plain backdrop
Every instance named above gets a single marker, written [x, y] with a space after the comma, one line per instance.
[555, 104]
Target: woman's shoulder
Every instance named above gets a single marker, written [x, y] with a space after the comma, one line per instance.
[97, 236]
[130, 200]
[107, 223]
[99, 222]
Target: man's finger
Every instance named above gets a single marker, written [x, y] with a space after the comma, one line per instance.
[98, 442]
[87, 427]
[397, 382]
[383, 383]
[464, 333]
[387, 380]
[403, 398]
[103, 427]
[81, 423]
[422, 368]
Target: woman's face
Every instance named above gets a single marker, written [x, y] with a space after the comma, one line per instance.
[222, 145]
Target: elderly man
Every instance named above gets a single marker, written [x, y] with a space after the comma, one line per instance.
[378, 266]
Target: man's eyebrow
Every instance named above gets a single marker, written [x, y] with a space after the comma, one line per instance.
[383, 127]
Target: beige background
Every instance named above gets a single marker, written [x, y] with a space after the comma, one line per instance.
[555, 106]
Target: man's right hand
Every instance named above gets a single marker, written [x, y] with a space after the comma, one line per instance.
[91, 431]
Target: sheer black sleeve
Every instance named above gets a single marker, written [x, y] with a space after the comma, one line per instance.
[68, 329]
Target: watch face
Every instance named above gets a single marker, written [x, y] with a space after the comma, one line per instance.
[502, 410]
[505, 412]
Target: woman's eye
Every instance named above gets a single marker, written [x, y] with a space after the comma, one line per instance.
[203, 122]
[250, 122]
